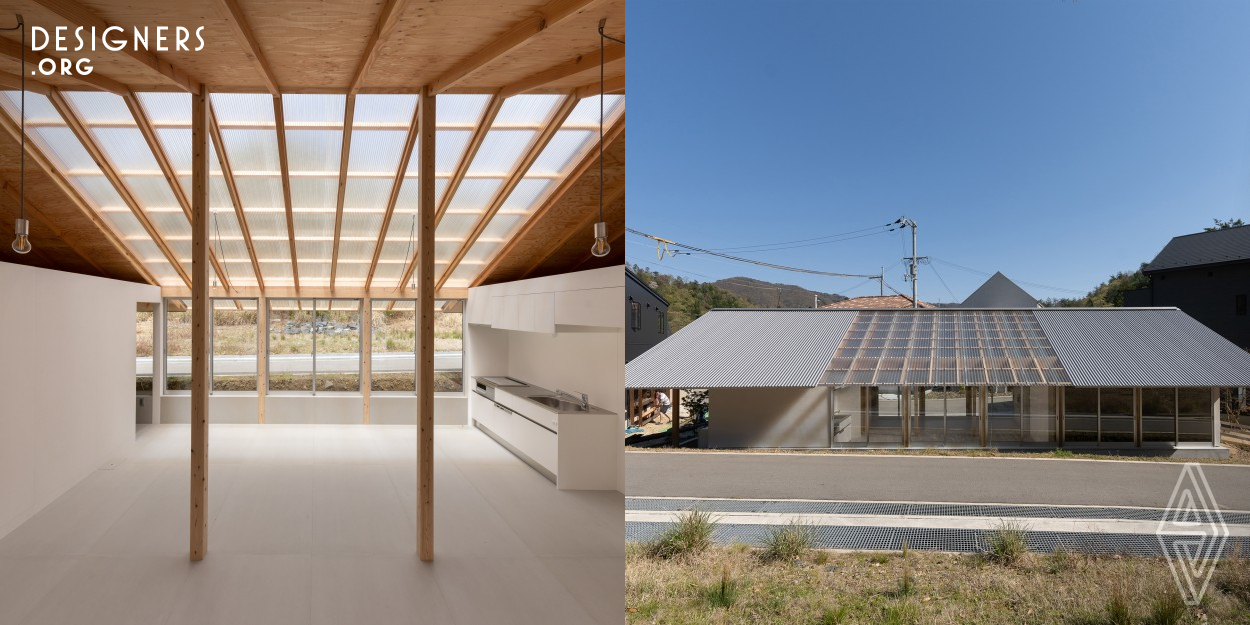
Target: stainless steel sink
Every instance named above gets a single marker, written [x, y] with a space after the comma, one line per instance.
[558, 404]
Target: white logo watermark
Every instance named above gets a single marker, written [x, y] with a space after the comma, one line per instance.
[1192, 533]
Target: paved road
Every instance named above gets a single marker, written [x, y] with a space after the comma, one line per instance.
[945, 479]
[326, 363]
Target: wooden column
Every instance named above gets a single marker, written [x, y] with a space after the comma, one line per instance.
[425, 327]
[675, 396]
[201, 315]
[262, 356]
[366, 353]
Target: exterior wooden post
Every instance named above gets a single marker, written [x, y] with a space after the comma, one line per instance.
[366, 354]
[425, 326]
[262, 356]
[201, 316]
[675, 396]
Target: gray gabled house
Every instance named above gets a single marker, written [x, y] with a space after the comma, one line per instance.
[646, 316]
[1000, 292]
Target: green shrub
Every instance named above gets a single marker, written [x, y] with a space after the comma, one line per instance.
[1006, 543]
[788, 542]
[723, 595]
[690, 534]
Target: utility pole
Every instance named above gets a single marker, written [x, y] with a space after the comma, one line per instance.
[881, 281]
[815, 301]
[913, 262]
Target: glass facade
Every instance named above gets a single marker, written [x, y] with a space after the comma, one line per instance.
[234, 345]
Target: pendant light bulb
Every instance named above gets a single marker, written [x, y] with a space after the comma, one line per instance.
[21, 244]
[601, 247]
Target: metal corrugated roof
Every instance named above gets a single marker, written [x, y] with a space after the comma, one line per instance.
[744, 348]
[999, 292]
[1142, 347]
[1204, 248]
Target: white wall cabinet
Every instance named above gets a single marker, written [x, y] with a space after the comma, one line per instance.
[586, 298]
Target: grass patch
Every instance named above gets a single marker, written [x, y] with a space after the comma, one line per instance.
[689, 535]
[1237, 455]
[788, 542]
[947, 589]
[1005, 544]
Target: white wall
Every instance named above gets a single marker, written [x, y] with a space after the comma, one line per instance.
[768, 417]
[67, 382]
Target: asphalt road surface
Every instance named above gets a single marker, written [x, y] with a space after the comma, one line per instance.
[941, 479]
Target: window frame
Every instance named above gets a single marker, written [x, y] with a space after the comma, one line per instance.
[415, 372]
[635, 312]
[360, 352]
[212, 344]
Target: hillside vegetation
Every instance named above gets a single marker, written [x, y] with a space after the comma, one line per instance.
[763, 294]
[688, 299]
[1107, 294]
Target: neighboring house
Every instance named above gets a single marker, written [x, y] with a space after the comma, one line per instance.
[1207, 275]
[646, 316]
[1000, 292]
[876, 301]
[994, 378]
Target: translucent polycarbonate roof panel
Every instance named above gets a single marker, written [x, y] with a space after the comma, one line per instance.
[98, 107]
[166, 108]
[176, 143]
[387, 274]
[314, 273]
[526, 194]
[474, 194]
[945, 347]
[360, 225]
[460, 109]
[448, 150]
[408, 194]
[314, 225]
[271, 250]
[314, 150]
[560, 151]
[376, 151]
[501, 226]
[252, 150]
[170, 224]
[218, 193]
[243, 108]
[309, 251]
[356, 249]
[444, 250]
[260, 193]
[39, 108]
[526, 110]
[225, 303]
[126, 149]
[456, 225]
[99, 191]
[397, 250]
[367, 193]
[153, 192]
[481, 252]
[586, 113]
[313, 108]
[267, 225]
[314, 193]
[385, 109]
[64, 149]
[500, 151]
[463, 275]
[125, 223]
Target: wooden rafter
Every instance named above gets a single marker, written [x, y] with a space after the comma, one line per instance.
[119, 184]
[38, 217]
[387, 21]
[171, 174]
[590, 60]
[583, 227]
[348, 114]
[278, 117]
[470, 151]
[78, 15]
[13, 81]
[520, 34]
[233, 14]
[610, 85]
[610, 135]
[228, 175]
[94, 80]
[398, 182]
[536, 148]
[77, 200]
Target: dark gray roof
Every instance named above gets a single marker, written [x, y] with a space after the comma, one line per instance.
[633, 276]
[795, 347]
[744, 348]
[1142, 347]
[999, 292]
[1204, 248]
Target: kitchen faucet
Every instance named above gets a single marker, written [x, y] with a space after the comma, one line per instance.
[585, 399]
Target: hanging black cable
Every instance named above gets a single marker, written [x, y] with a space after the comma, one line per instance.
[601, 247]
[21, 243]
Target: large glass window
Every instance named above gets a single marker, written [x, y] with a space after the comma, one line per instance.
[1080, 415]
[314, 344]
[178, 345]
[393, 328]
[850, 418]
[1194, 418]
[1023, 415]
[944, 416]
[449, 346]
[234, 344]
[144, 326]
[1116, 412]
[1158, 415]
[885, 416]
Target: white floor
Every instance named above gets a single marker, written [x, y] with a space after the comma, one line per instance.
[317, 524]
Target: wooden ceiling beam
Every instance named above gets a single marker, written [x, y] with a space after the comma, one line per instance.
[589, 159]
[535, 149]
[228, 175]
[345, 151]
[171, 174]
[316, 292]
[233, 14]
[385, 26]
[520, 34]
[75, 197]
[39, 218]
[470, 152]
[409, 144]
[585, 62]
[13, 81]
[610, 85]
[94, 80]
[279, 120]
[78, 15]
[119, 184]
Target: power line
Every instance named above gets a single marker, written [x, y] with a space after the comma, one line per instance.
[748, 260]
[778, 287]
[987, 274]
[830, 236]
[939, 277]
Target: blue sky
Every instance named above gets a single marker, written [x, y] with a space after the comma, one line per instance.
[1055, 141]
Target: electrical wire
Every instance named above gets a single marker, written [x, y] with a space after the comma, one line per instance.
[939, 277]
[749, 261]
[987, 274]
[221, 252]
[21, 208]
[821, 238]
